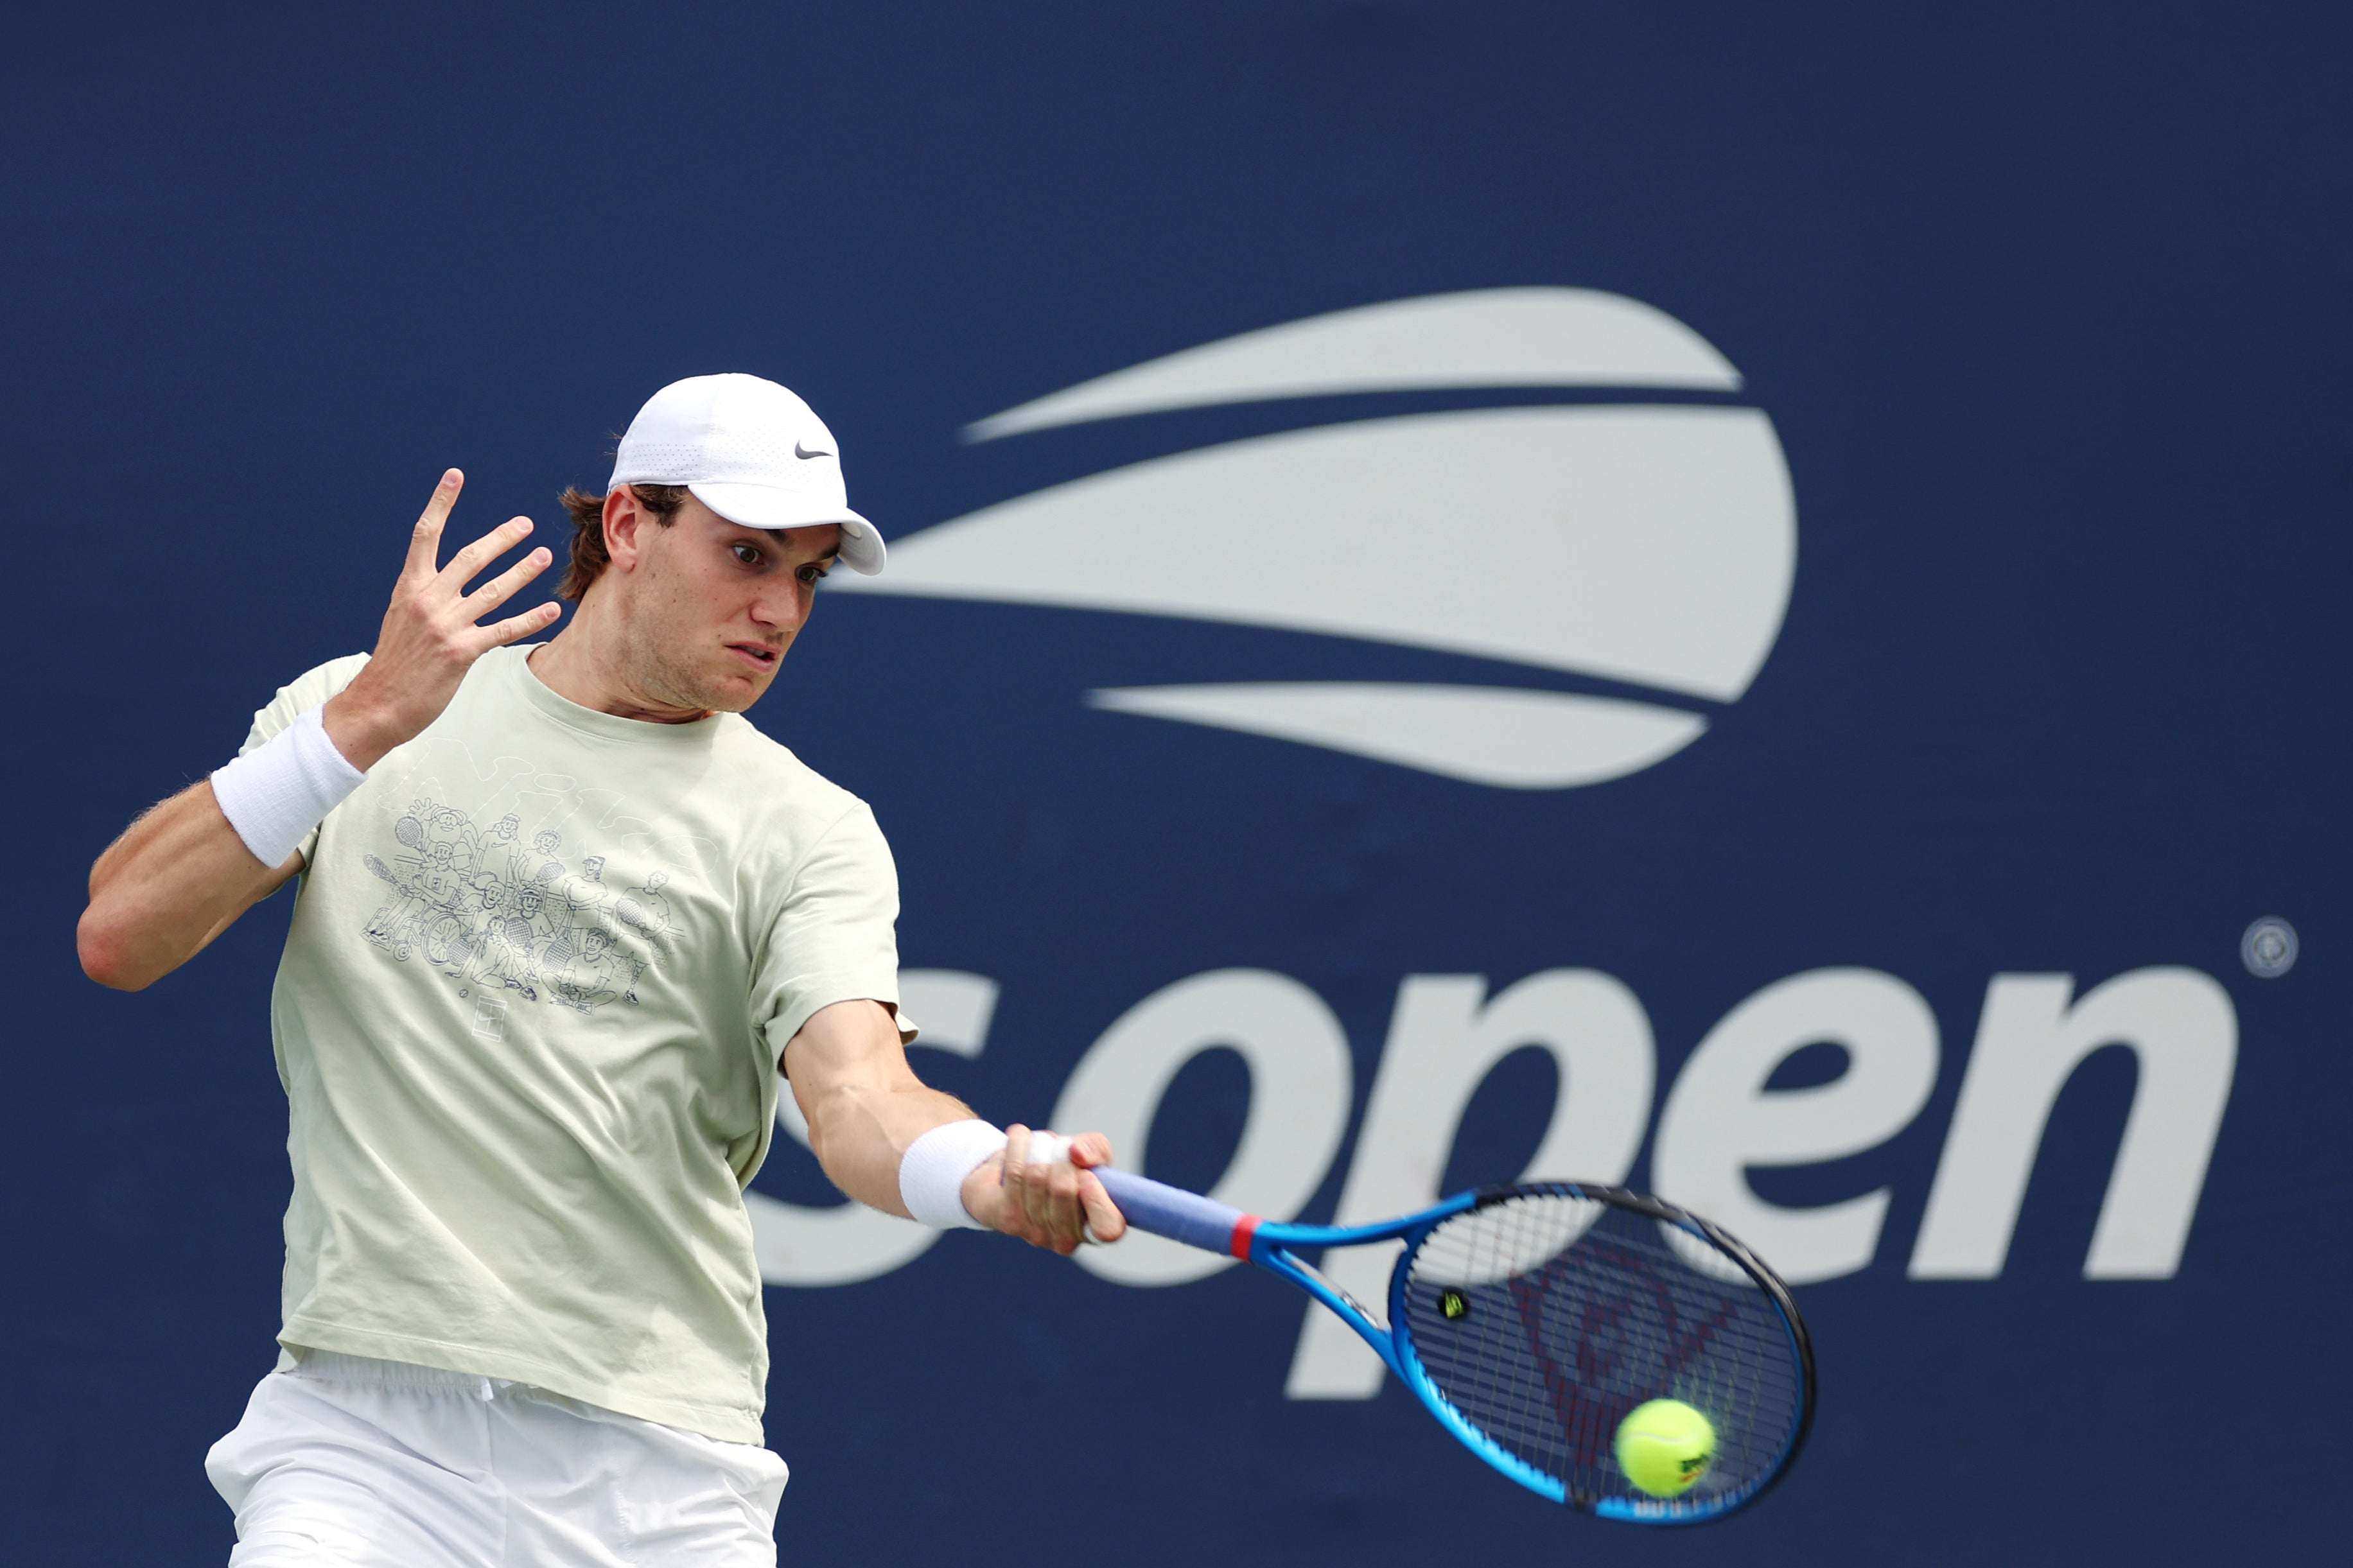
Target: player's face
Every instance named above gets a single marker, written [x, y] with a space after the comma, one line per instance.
[717, 605]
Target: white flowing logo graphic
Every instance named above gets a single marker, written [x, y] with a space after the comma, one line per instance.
[1651, 545]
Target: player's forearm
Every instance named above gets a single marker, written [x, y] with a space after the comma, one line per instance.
[861, 1132]
[176, 878]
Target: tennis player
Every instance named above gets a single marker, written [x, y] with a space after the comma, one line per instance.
[565, 919]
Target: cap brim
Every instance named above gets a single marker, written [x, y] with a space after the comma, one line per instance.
[759, 506]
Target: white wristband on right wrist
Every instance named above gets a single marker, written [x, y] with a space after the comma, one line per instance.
[274, 794]
[932, 1171]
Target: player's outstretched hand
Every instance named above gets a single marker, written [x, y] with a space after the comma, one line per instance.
[1050, 1205]
[430, 638]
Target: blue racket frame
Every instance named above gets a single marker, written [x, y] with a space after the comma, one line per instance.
[1213, 1226]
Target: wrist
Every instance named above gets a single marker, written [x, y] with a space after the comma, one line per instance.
[982, 1192]
[276, 796]
[361, 731]
[938, 1168]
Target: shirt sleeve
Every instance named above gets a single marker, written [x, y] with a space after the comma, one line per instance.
[837, 939]
[305, 691]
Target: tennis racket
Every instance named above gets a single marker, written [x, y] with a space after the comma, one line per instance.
[1532, 1320]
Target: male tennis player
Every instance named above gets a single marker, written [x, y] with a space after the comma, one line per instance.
[565, 916]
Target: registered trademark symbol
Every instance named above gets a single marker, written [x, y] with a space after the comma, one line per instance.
[2269, 948]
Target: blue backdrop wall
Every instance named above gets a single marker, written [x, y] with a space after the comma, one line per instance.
[1880, 550]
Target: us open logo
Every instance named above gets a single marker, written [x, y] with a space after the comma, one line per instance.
[1636, 557]
[1647, 547]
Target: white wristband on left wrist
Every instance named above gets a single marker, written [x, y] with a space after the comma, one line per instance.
[274, 794]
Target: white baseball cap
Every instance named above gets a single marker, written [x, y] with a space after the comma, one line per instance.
[750, 450]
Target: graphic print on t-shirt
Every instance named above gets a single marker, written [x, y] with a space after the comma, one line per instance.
[498, 916]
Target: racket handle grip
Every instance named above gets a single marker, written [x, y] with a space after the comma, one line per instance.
[1172, 1212]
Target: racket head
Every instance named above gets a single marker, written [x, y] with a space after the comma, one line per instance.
[1534, 1321]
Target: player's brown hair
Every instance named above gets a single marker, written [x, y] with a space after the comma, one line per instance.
[588, 554]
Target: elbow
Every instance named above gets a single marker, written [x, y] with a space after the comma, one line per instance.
[105, 957]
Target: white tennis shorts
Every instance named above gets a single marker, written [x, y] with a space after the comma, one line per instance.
[345, 1462]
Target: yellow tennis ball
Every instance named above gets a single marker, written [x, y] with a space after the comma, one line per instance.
[1666, 1446]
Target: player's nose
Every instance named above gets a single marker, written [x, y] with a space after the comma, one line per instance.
[780, 606]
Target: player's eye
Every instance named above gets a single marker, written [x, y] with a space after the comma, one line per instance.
[813, 572]
[748, 554]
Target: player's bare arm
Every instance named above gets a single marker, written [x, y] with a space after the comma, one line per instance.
[177, 877]
[180, 875]
[866, 1108]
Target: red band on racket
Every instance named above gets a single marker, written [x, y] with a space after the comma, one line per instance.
[1244, 1229]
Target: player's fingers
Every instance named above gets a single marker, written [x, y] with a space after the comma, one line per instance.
[501, 588]
[498, 634]
[1035, 1198]
[425, 539]
[1029, 1188]
[1064, 1213]
[483, 551]
[1090, 1149]
[1104, 1221]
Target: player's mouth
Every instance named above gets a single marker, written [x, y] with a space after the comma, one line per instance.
[759, 658]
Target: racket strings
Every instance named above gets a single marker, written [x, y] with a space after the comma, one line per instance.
[1545, 1319]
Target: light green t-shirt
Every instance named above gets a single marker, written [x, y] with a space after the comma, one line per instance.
[542, 967]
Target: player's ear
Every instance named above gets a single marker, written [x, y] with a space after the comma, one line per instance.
[625, 516]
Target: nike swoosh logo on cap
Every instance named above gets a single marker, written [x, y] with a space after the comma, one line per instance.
[797, 452]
